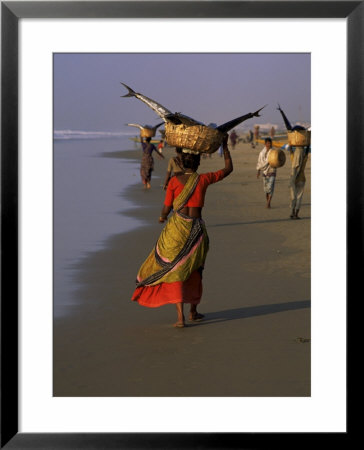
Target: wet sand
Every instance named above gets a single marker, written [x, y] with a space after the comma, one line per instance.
[255, 340]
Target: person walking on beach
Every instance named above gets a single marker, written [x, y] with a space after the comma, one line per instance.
[175, 166]
[160, 146]
[147, 162]
[251, 139]
[256, 134]
[269, 173]
[172, 273]
[299, 156]
[233, 139]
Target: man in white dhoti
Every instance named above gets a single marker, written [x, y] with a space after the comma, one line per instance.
[269, 173]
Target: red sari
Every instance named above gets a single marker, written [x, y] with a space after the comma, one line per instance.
[172, 273]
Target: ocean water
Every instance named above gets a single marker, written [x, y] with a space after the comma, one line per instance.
[87, 205]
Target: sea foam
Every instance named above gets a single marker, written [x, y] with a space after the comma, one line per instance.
[78, 134]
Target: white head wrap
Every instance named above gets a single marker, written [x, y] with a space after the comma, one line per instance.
[192, 152]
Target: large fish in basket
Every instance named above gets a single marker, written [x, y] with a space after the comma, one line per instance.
[297, 136]
[183, 131]
[146, 130]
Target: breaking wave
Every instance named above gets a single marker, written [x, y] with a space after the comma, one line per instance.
[76, 134]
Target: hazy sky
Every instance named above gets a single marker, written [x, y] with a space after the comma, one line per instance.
[208, 87]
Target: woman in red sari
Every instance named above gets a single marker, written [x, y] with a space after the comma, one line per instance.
[172, 273]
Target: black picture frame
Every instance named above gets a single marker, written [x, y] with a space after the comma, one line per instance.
[11, 12]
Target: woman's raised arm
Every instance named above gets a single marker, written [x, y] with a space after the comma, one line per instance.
[227, 157]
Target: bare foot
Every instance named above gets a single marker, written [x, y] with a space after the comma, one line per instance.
[179, 325]
[196, 317]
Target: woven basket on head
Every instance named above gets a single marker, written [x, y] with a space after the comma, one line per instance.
[147, 132]
[276, 158]
[199, 138]
[299, 137]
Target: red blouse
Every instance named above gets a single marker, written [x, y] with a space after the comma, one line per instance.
[198, 197]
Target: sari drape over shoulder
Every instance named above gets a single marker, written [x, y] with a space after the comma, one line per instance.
[173, 270]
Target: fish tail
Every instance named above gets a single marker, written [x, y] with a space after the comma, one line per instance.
[224, 128]
[285, 119]
[159, 109]
[130, 93]
[256, 113]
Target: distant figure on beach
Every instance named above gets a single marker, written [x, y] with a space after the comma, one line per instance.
[147, 163]
[256, 134]
[299, 156]
[172, 273]
[161, 146]
[175, 167]
[272, 132]
[268, 172]
[233, 139]
[251, 139]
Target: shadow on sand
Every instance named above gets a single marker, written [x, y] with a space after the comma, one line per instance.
[244, 313]
[255, 222]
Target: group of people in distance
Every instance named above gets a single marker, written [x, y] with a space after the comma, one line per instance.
[172, 272]
[298, 156]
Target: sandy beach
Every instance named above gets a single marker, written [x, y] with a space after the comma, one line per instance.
[255, 339]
